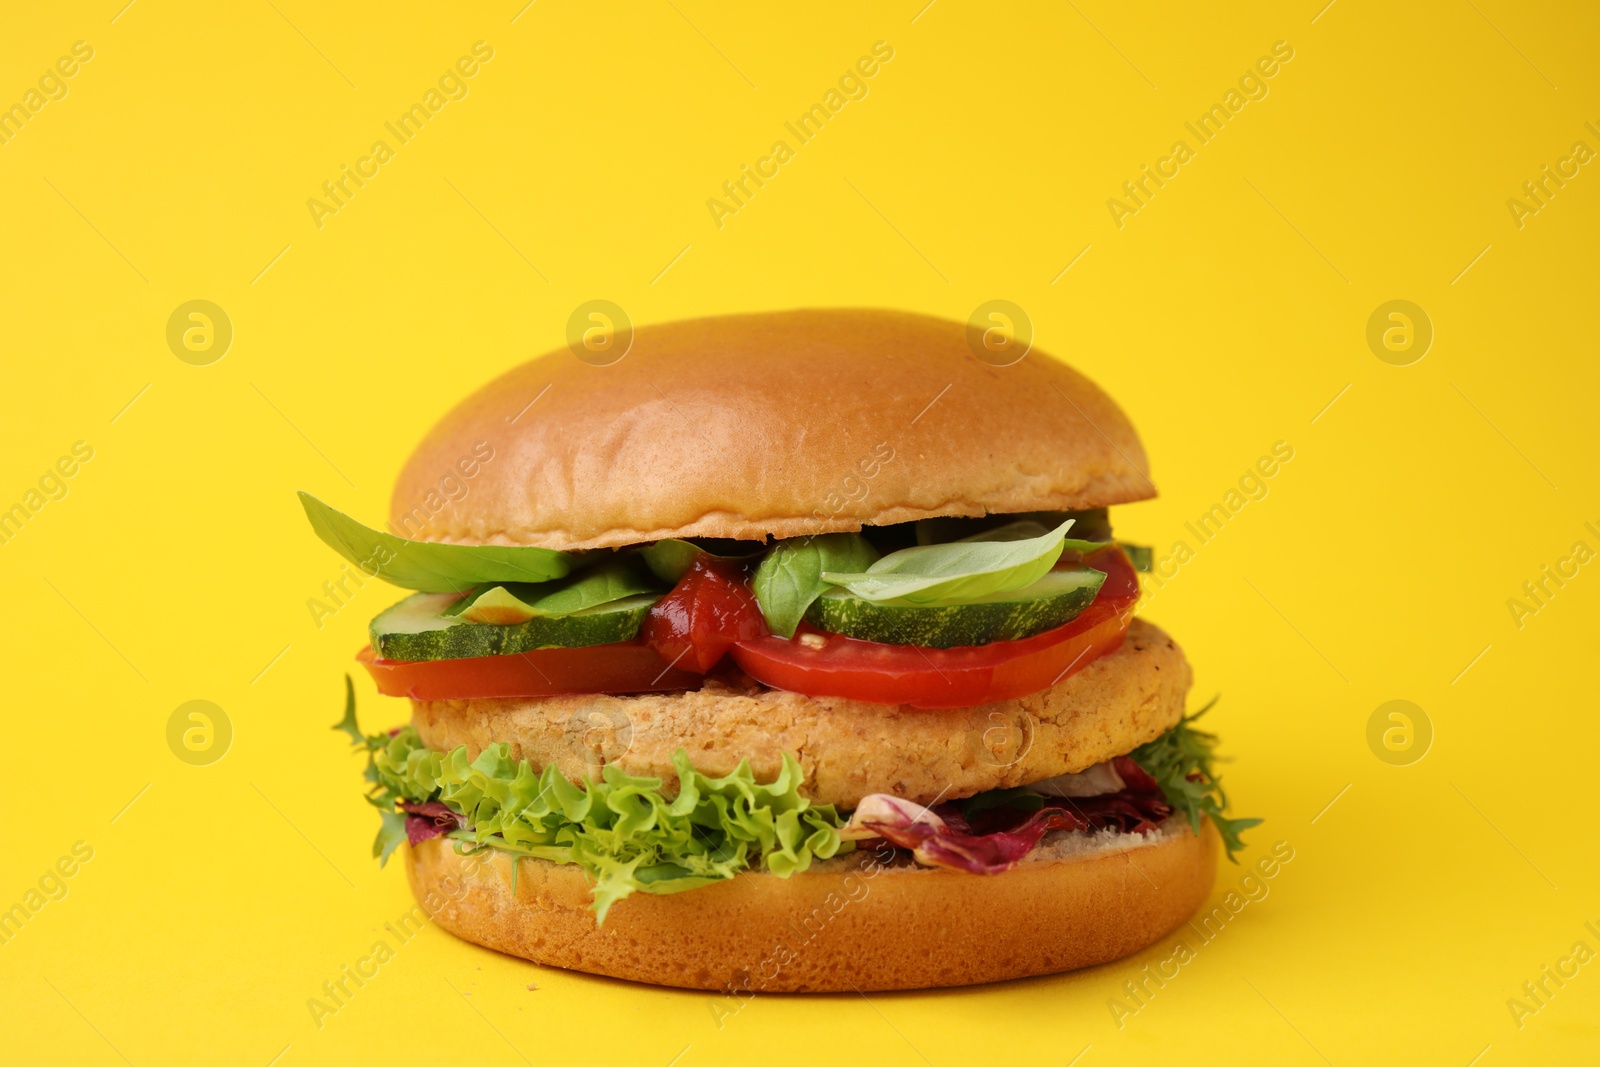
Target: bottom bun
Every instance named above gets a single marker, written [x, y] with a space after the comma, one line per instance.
[848, 924]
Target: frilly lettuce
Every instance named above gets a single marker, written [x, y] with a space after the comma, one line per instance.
[625, 834]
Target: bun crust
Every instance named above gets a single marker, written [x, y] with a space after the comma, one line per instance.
[847, 748]
[777, 424]
[843, 926]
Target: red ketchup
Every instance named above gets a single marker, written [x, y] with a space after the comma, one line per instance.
[708, 612]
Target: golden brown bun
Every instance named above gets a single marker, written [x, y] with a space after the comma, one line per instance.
[840, 927]
[781, 424]
[847, 748]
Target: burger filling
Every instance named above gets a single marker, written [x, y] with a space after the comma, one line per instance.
[936, 613]
[940, 613]
[630, 834]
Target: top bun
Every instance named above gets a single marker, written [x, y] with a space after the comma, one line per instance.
[778, 424]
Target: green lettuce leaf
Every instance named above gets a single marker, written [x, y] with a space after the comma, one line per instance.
[790, 577]
[960, 570]
[622, 830]
[391, 835]
[430, 566]
[1180, 760]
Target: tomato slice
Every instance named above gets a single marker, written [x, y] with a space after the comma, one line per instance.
[629, 667]
[949, 677]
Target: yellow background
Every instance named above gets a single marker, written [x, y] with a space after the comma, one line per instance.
[1225, 316]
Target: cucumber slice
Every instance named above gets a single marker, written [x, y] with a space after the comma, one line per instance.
[417, 628]
[1053, 600]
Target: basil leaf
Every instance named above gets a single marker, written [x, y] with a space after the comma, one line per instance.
[1141, 556]
[429, 566]
[1021, 530]
[671, 558]
[1026, 528]
[958, 571]
[1093, 525]
[790, 578]
[503, 605]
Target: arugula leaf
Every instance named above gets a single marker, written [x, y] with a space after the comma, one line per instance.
[348, 723]
[958, 571]
[1141, 556]
[392, 830]
[1016, 797]
[431, 566]
[790, 577]
[517, 602]
[1180, 761]
[669, 559]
